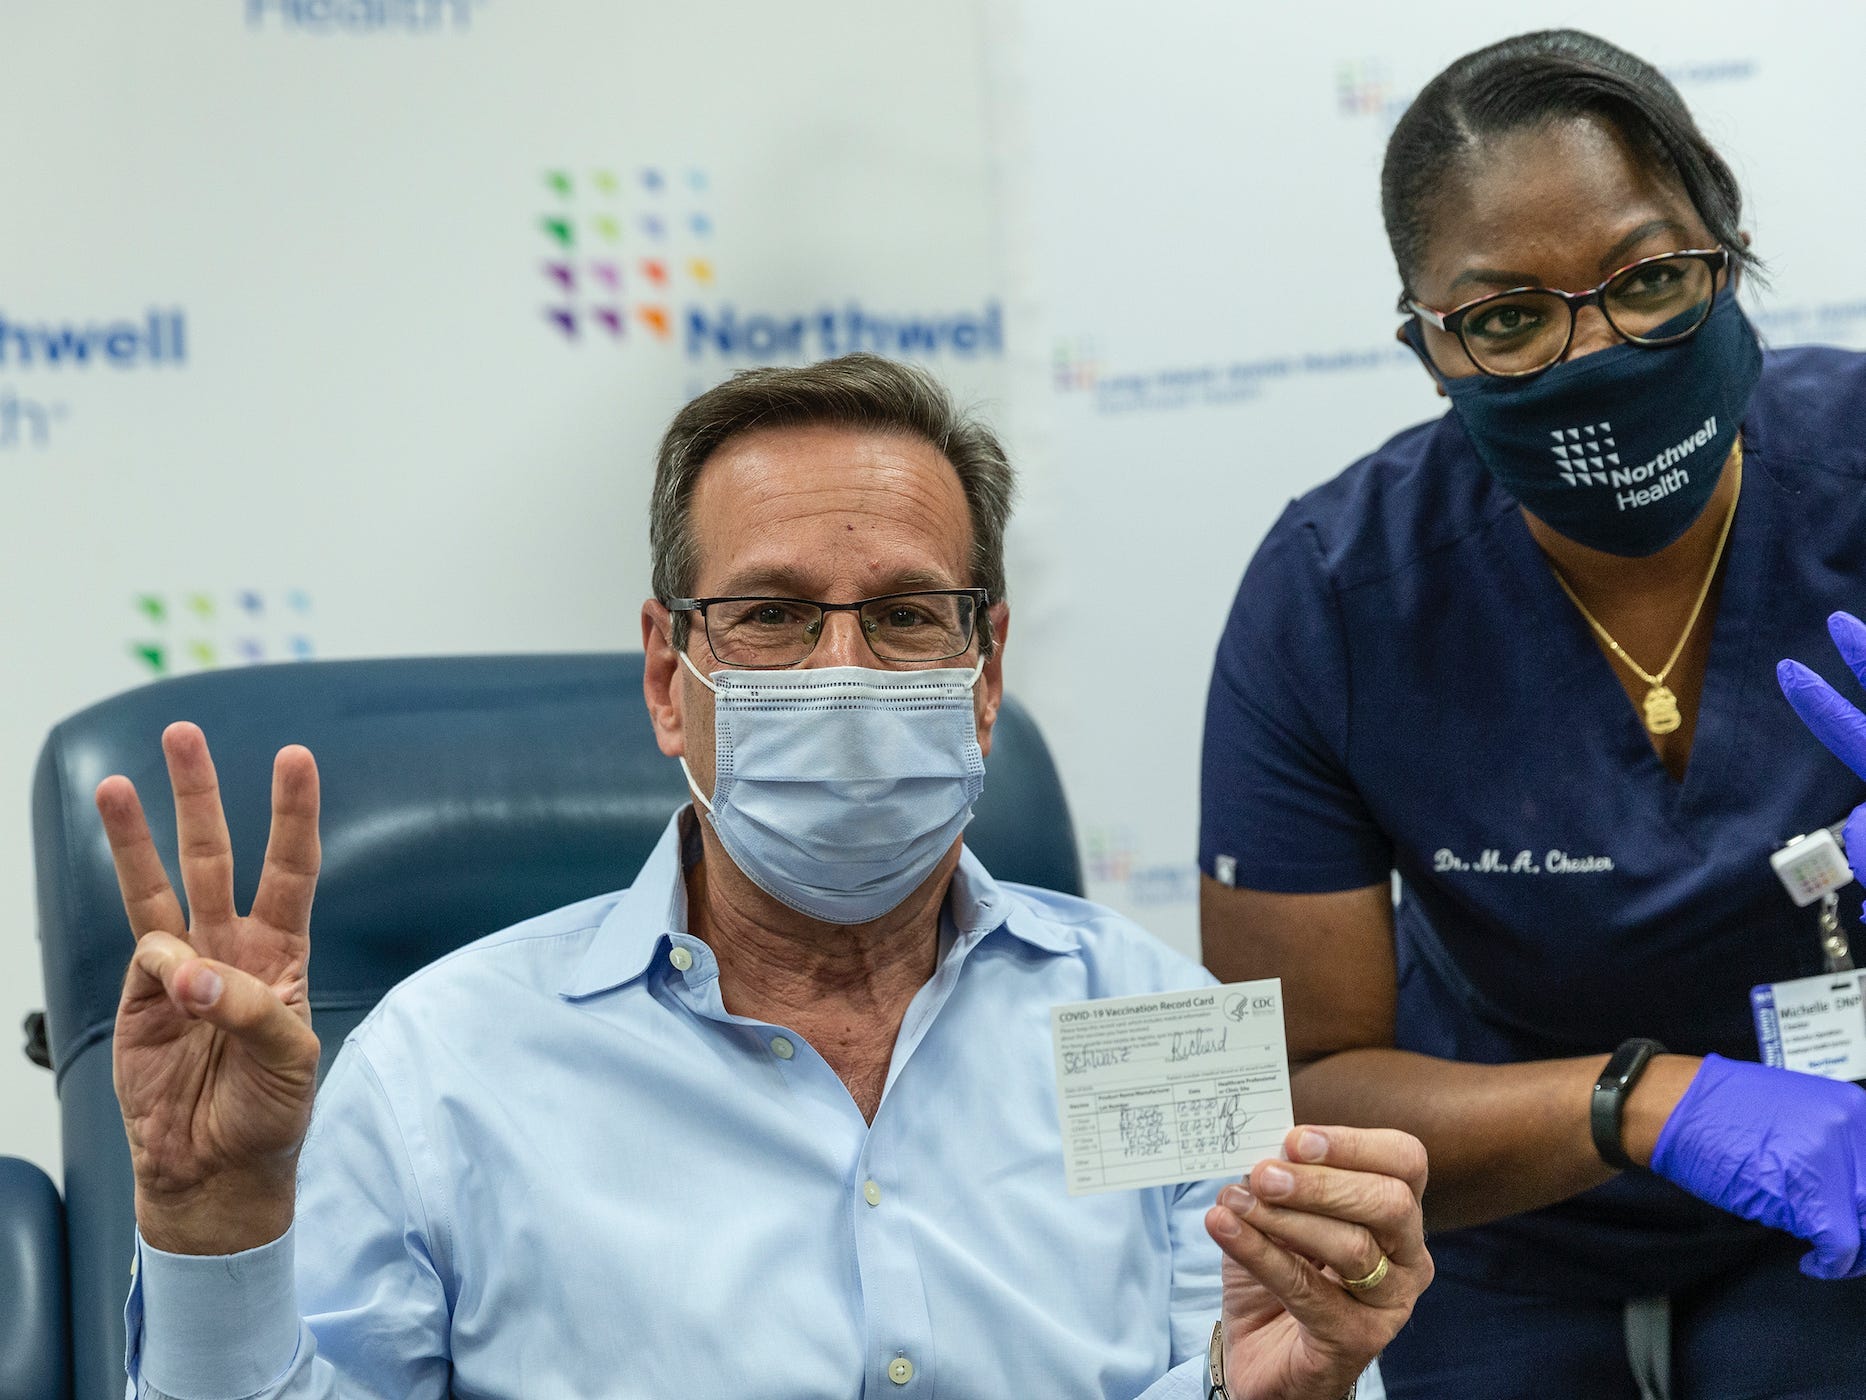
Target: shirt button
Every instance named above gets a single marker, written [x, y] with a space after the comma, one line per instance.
[871, 1193]
[782, 1048]
[900, 1370]
[681, 959]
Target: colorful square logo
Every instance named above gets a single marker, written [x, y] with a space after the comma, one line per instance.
[202, 631]
[619, 246]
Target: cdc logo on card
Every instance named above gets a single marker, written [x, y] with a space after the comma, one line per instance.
[1242, 1005]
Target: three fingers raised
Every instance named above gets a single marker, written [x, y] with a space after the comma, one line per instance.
[287, 879]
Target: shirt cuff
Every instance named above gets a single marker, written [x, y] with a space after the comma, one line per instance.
[1186, 1381]
[215, 1326]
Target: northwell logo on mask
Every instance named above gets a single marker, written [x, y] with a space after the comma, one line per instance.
[1586, 456]
[1583, 455]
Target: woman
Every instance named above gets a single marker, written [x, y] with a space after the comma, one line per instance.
[1522, 656]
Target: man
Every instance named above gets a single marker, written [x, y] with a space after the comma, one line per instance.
[779, 1120]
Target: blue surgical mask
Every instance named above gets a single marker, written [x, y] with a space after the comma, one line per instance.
[1619, 450]
[838, 789]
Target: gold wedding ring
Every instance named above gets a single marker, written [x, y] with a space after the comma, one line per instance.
[1361, 1285]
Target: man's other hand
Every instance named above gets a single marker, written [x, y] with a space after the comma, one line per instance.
[1292, 1233]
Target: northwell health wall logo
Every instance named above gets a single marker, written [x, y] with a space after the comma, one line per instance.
[58, 351]
[620, 248]
[626, 257]
[158, 337]
[27, 422]
[362, 17]
[1365, 87]
[204, 629]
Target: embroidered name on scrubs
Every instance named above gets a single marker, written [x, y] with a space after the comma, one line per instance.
[1492, 861]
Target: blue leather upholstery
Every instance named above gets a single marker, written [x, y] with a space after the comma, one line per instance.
[460, 795]
[35, 1340]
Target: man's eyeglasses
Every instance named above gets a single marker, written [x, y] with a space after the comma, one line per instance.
[1655, 301]
[767, 633]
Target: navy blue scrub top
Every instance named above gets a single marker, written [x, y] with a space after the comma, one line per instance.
[1403, 685]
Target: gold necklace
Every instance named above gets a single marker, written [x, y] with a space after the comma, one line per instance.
[1661, 706]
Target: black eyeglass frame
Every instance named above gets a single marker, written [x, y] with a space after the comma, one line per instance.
[981, 600]
[1452, 321]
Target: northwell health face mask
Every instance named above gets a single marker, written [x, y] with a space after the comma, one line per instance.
[838, 789]
[1619, 450]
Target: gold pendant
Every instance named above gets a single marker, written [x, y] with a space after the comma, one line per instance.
[1662, 710]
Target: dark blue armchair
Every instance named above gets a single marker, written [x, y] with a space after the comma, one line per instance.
[460, 795]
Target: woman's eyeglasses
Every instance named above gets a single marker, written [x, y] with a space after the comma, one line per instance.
[1655, 301]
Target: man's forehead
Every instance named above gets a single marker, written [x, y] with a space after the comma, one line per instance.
[827, 455]
[828, 501]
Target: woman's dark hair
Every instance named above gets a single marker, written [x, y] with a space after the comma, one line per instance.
[1524, 82]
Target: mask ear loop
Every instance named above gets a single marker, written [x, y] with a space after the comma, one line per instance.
[698, 674]
[692, 786]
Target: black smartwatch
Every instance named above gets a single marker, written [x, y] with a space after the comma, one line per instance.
[1606, 1113]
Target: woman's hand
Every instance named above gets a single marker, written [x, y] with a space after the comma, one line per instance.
[1833, 720]
[1776, 1146]
[1346, 1200]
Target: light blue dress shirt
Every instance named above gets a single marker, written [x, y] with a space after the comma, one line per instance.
[553, 1164]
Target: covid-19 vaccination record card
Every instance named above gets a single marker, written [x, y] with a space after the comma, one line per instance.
[1171, 1086]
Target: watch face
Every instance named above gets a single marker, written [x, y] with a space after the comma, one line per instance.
[1627, 1062]
[1607, 1104]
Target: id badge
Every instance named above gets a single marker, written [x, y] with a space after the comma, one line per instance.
[1816, 1025]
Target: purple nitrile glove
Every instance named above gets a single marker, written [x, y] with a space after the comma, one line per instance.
[1834, 721]
[1776, 1146]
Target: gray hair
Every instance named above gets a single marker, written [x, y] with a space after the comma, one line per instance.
[857, 391]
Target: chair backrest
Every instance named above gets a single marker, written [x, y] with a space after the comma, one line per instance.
[461, 794]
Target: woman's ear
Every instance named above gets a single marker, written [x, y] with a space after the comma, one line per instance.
[1399, 334]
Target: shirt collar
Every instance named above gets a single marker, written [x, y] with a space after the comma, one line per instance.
[651, 909]
[654, 908]
[979, 905]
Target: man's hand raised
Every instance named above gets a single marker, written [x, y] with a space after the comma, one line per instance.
[1345, 1206]
[214, 1057]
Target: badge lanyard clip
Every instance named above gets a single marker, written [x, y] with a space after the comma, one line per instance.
[1836, 953]
[1815, 867]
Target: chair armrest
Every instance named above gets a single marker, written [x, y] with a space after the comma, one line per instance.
[35, 1328]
